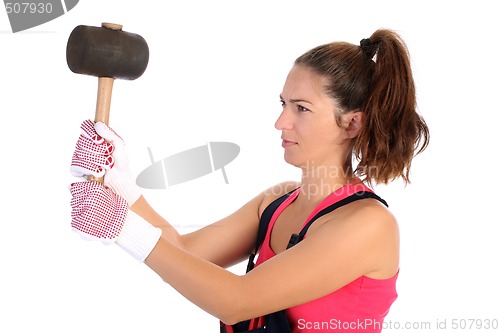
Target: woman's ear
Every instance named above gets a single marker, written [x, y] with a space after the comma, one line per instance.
[354, 122]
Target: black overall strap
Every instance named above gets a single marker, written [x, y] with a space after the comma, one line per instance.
[295, 238]
[267, 214]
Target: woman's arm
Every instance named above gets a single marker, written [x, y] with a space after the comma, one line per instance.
[365, 242]
[142, 208]
[224, 242]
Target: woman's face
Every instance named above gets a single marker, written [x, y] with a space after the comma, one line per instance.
[310, 133]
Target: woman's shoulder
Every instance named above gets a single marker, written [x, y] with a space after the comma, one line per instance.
[368, 227]
[367, 211]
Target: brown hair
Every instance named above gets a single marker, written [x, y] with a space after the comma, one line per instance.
[383, 89]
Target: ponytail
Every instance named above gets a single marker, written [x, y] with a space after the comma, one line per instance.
[393, 131]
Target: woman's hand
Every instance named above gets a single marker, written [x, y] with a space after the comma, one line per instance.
[98, 213]
[100, 151]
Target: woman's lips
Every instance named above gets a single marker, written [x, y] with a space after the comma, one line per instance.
[287, 143]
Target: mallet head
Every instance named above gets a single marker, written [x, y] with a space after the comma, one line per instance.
[107, 52]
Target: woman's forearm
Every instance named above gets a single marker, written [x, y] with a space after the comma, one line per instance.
[207, 285]
[142, 208]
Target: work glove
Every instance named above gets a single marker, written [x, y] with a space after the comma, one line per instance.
[98, 213]
[100, 151]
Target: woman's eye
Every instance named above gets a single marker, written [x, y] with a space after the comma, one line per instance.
[300, 108]
[282, 103]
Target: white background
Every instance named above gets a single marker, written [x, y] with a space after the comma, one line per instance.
[215, 73]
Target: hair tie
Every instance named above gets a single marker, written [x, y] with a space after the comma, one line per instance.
[368, 47]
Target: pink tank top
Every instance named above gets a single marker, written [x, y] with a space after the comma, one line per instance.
[359, 306]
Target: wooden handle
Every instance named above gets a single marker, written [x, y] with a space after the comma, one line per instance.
[113, 26]
[103, 106]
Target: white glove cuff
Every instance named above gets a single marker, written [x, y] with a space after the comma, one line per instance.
[138, 237]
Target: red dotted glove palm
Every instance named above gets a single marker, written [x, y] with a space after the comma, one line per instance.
[99, 150]
[98, 213]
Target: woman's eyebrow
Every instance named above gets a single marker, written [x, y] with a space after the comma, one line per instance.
[300, 101]
[297, 100]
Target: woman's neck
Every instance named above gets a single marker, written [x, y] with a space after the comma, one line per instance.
[318, 182]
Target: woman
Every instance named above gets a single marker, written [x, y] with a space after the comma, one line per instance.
[341, 102]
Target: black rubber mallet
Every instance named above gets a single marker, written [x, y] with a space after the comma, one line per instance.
[108, 53]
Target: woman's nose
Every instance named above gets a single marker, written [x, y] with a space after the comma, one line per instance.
[283, 121]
